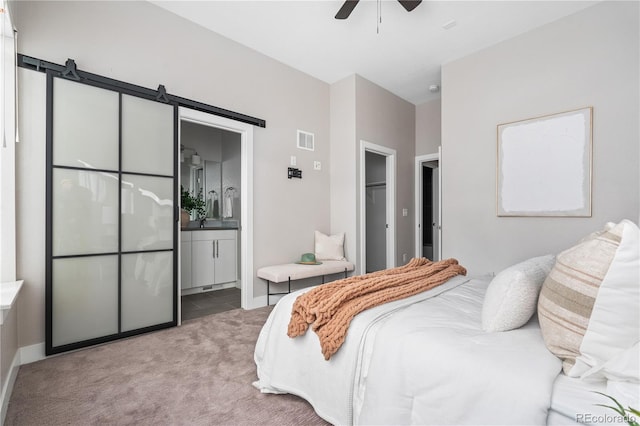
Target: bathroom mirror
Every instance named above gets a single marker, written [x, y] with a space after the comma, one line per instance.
[205, 181]
[212, 189]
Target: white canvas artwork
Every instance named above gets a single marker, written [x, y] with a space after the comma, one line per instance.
[544, 166]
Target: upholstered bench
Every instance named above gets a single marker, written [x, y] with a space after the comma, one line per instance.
[294, 271]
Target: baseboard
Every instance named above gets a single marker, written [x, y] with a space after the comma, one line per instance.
[31, 353]
[213, 287]
[261, 301]
[8, 387]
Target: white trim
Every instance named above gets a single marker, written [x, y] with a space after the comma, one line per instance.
[246, 193]
[178, 224]
[32, 353]
[418, 201]
[7, 389]
[390, 155]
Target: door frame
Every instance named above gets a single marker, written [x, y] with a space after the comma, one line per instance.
[246, 194]
[391, 156]
[420, 159]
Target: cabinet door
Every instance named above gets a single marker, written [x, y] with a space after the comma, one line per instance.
[226, 267]
[203, 262]
[185, 264]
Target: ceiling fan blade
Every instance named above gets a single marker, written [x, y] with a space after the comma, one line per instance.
[346, 9]
[409, 5]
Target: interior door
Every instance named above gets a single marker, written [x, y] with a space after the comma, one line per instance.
[436, 225]
[111, 233]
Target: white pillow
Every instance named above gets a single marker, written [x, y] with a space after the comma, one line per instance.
[613, 326]
[512, 296]
[329, 247]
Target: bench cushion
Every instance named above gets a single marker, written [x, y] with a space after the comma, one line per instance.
[296, 271]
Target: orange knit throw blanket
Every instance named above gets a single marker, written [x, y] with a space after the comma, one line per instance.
[329, 308]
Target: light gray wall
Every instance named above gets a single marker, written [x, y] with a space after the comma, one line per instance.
[361, 110]
[428, 127]
[384, 119]
[142, 44]
[587, 59]
[343, 158]
[30, 205]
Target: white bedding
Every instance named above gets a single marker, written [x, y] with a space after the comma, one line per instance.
[420, 360]
[575, 402]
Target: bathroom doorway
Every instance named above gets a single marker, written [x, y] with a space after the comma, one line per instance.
[210, 166]
[216, 260]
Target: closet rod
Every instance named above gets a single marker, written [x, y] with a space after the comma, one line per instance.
[375, 184]
[69, 71]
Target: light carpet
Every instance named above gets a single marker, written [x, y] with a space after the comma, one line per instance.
[196, 374]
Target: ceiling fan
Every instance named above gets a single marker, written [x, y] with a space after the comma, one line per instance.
[349, 5]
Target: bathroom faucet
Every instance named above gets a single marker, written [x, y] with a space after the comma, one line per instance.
[203, 221]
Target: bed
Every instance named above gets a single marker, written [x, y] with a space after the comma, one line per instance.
[429, 359]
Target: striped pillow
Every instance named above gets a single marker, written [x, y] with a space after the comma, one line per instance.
[569, 293]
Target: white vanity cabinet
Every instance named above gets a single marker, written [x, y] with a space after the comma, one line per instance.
[185, 260]
[213, 257]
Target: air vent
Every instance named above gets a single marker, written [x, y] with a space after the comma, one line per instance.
[305, 140]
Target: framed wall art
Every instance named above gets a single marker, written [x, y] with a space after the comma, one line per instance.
[544, 165]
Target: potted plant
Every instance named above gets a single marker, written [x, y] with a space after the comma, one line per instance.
[628, 415]
[191, 205]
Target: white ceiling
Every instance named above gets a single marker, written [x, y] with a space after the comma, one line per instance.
[404, 57]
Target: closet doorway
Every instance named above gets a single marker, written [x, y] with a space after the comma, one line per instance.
[428, 207]
[240, 210]
[377, 207]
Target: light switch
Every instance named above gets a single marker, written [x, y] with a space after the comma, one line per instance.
[405, 212]
[293, 160]
[317, 165]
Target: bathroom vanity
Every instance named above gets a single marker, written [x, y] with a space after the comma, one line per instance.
[209, 259]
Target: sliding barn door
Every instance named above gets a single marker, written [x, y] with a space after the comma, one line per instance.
[111, 222]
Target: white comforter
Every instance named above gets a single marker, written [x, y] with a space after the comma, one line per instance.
[421, 360]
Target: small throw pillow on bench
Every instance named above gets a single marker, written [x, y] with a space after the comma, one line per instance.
[329, 247]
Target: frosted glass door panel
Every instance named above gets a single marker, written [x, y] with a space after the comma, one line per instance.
[147, 213]
[147, 289]
[85, 212]
[85, 126]
[147, 136]
[111, 204]
[85, 298]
